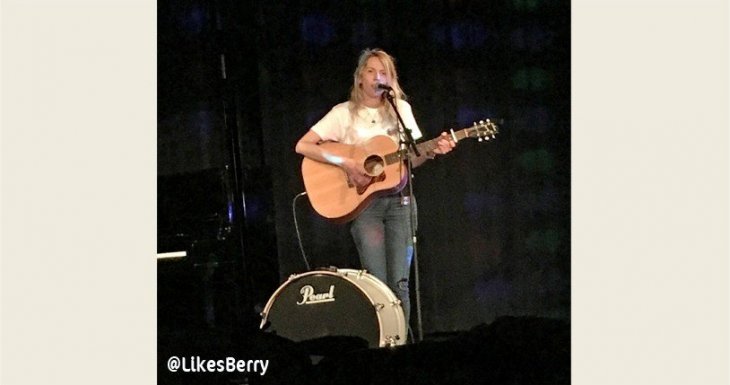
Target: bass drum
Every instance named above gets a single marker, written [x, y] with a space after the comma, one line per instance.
[338, 302]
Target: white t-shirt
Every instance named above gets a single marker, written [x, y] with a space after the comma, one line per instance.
[338, 124]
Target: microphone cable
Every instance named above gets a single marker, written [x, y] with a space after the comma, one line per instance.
[296, 228]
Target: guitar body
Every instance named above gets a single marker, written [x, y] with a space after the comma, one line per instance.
[328, 187]
[335, 198]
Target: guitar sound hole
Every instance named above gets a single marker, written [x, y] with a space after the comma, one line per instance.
[374, 165]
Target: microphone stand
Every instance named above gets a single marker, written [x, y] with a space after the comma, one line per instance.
[404, 145]
[409, 142]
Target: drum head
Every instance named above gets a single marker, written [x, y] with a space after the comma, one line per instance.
[322, 304]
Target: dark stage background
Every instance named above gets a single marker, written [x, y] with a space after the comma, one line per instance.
[239, 82]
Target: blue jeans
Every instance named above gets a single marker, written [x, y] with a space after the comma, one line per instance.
[382, 235]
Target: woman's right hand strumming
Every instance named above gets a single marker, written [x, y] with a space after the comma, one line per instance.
[356, 173]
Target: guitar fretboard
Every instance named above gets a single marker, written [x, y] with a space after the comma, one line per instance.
[423, 147]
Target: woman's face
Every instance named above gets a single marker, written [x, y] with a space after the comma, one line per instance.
[373, 74]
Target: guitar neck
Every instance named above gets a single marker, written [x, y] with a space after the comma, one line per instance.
[432, 144]
[424, 147]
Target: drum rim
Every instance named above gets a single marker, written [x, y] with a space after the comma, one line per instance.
[270, 302]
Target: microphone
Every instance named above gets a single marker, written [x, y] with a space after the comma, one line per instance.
[382, 86]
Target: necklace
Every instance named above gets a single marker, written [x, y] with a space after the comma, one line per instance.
[372, 114]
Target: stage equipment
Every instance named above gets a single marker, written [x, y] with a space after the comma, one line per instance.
[336, 303]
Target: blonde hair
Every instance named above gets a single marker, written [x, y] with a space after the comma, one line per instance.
[357, 93]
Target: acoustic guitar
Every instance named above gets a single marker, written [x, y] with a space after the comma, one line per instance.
[335, 198]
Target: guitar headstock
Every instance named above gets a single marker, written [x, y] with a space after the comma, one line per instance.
[482, 130]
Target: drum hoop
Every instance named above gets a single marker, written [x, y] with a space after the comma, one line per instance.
[270, 303]
[374, 280]
[388, 293]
